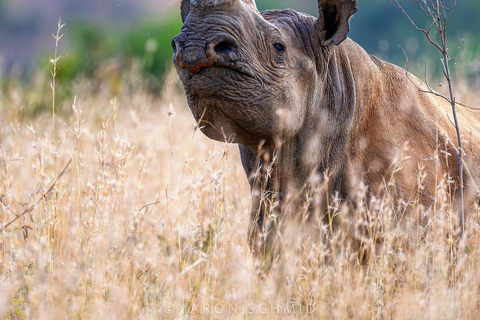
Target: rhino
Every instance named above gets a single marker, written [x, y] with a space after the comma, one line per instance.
[310, 109]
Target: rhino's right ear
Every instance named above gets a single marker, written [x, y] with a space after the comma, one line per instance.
[333, 20]
[184, 9]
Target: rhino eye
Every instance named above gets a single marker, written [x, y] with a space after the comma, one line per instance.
[279, 47]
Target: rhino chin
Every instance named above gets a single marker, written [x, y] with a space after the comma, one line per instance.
[217, 125]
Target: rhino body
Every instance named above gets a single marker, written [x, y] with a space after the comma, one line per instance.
[311, 109]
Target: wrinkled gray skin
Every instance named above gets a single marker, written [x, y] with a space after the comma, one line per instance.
[303, 101]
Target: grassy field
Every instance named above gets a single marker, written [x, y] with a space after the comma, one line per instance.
[119, 208]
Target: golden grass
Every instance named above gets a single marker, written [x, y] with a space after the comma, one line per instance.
[149, 220]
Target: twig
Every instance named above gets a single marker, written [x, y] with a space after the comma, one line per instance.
[32, 207]
[430, 90]
[149, 205]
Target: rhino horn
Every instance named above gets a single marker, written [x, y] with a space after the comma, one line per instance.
[251, 3]
[185, 5]
[333, 19]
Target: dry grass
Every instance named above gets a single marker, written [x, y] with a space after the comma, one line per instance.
[149, 220]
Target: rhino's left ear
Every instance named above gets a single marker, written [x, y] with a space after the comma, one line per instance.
[333, 20]
[184, 9]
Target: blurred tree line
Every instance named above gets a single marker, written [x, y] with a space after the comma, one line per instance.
[102, 51]
[97, 51]
[384, 31]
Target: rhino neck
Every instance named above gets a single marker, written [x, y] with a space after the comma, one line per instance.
[324, 139]
[315, 158]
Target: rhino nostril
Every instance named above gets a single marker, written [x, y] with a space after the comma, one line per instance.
[174, 46]
[225, 47]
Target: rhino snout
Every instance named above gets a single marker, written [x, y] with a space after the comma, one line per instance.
[195, 55]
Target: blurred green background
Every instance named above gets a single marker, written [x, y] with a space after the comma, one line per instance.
[108, 42]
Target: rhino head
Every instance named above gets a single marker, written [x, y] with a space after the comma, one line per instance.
[253, 77]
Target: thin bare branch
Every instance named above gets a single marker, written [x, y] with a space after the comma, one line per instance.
[463, 50]
[32, 207]
[429, 89]
[441, 15]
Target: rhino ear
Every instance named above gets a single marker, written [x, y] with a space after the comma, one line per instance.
[184, 9]
[333, 20]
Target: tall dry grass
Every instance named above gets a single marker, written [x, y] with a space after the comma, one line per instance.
[128, 212]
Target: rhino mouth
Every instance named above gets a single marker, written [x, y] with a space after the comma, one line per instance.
[219, 74]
